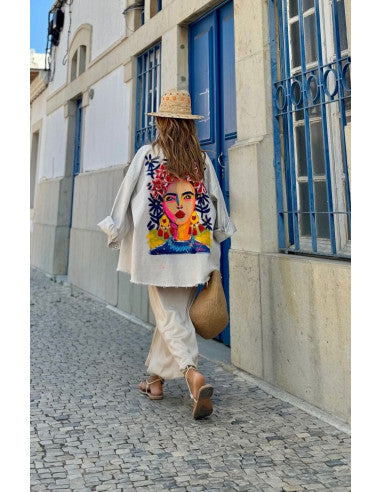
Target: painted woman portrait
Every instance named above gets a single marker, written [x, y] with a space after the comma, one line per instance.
[179, 228]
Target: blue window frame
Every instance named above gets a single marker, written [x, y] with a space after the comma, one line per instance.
[310, 68]
[147, 94]
[159, 5]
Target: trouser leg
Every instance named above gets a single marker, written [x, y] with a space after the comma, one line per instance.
[174, 343]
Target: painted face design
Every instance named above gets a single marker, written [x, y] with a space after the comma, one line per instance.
[178, 211]
[179, 201]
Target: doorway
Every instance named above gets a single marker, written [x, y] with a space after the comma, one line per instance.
[213, 93]
[77, 150]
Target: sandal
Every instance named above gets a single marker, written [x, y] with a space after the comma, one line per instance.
[147, 391]
[202, 405]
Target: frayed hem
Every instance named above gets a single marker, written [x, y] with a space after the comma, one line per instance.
[165, 284]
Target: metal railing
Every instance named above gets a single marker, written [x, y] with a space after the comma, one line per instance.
[311, 103]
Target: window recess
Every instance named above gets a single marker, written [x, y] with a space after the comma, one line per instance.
[78, 62]
[147, 94]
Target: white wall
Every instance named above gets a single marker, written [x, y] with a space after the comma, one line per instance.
[106, 131]
[108, 25]
[53, 145]
[37, 115]
[38, 109]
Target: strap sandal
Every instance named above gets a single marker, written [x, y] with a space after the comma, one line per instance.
[146, 391]
[202, 405]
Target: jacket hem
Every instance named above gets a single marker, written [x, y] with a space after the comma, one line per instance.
[168, 284]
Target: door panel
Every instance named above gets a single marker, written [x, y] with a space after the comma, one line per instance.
[203, 82]
[228, 89]
[77, 150]
[212, 88]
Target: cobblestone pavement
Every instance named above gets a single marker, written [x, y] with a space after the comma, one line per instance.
[91, 430]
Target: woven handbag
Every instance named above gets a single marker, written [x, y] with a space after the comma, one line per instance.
[209, 312]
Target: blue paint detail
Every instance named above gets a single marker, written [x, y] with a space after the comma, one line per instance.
[290, 154]
[320, 93]
[301, 93]
[78, 133]
[172, 247]
[276, 122]
[147, 94]
[159, 5]
[77, 150]
[340, 64]
[311, 196]
[212, 89]
[151, 163]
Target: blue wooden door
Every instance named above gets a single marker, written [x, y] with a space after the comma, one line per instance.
[212, 88]
[77, 149]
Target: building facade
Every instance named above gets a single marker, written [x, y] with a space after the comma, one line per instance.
[272, 79]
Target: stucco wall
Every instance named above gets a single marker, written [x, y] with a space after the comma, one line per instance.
[92, 265]
[106, 123]
[50, 235]
[52, 163]
[38, 109]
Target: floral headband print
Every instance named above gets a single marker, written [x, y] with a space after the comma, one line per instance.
[163, 179]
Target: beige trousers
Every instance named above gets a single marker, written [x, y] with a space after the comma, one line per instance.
[174, 343]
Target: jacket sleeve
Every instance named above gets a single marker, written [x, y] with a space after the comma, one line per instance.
[223, 226]
[117, 224]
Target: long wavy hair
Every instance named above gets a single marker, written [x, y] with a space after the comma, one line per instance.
[179, 142]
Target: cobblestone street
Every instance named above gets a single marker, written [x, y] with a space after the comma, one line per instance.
[91, 429]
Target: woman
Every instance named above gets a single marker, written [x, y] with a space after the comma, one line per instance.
[168, 219]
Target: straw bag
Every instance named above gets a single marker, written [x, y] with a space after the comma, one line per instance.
[209, 312]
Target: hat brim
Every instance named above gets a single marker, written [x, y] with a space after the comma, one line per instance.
[177, 115]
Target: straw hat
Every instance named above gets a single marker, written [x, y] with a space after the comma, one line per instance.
[176, 104]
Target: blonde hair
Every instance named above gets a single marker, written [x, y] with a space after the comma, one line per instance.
[177, 137]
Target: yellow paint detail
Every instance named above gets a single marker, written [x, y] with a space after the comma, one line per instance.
[205, 238]
[154, 240]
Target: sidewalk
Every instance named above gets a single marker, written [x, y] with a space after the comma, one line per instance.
[91, 430]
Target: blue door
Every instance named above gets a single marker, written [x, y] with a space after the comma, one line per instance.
[212, 88]
[77, 149]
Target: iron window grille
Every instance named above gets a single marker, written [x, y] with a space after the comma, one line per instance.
[311, 94]
[147, 94]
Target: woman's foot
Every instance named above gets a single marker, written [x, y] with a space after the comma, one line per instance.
[153, 387]
[199, 392]
[195, 380]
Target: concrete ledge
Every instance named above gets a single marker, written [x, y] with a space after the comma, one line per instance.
[305, 305]
[245, 312]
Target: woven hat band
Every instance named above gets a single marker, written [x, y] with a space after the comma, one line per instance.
[179, 103]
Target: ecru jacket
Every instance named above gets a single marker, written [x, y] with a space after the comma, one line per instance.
[168, 230]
